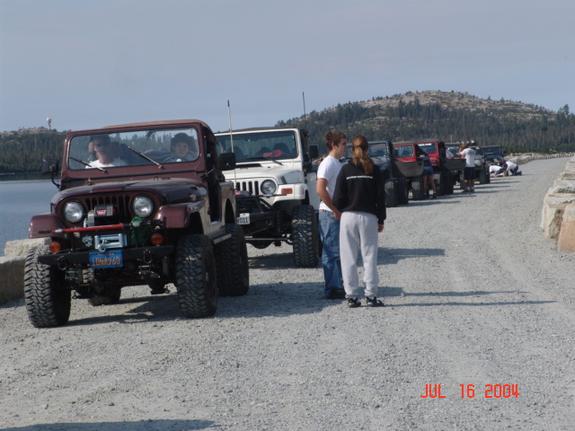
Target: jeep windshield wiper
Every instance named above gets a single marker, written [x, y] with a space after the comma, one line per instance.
[260, 159]
[87, 164]
[159, 165]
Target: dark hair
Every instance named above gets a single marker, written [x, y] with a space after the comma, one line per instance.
[333, 137]
[182, 137]
[360, 155]
[104, 139]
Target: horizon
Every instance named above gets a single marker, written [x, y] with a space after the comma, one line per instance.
[126, 61]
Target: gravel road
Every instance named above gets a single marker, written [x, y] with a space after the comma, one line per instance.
[476, 295]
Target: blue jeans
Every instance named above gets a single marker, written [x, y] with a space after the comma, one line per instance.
[329, 231]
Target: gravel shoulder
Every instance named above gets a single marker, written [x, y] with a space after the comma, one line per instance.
[476, 295]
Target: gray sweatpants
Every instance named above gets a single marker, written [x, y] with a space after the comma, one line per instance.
[358, 233]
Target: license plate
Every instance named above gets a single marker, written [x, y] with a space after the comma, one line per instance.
[243, 219]
[107, 259]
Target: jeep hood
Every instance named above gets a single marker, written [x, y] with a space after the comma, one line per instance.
[169, 190]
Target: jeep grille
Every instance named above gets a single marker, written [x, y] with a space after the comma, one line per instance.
[249, 186]
[121, 205]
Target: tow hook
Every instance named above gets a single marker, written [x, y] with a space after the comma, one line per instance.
[147, 256]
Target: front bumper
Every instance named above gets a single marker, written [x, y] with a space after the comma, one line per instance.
[141, 255]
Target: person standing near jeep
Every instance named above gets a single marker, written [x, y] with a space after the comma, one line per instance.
[360, 196]
[469, 171]
[329, 215]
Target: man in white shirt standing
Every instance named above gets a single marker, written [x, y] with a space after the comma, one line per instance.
[469, 171]
[329, 215]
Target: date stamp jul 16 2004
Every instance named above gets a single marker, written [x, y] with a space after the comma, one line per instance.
[471, 391]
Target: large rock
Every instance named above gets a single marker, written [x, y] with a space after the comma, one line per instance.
[12, 267]
[554, 206]
[566, 239]
[21, 247]
[11, 278]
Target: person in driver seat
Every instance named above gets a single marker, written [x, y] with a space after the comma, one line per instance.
[184, 147]
[106, 152]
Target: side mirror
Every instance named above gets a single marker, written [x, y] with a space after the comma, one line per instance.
[313, 152]
[226, 161]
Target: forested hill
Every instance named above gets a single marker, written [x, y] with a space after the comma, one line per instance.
[450, 116]
[29, 150]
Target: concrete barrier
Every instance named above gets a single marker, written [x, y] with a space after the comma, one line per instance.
[12, 268]
[566, 237]
[558, 212]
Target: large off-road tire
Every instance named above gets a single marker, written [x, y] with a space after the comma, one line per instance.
[305, 237]
[402, 191]
[483, 176]
[232, 263]
[108, 296]
[48, 300]
[445, 183]
[417, 189]
[196, 276]
[391, 195]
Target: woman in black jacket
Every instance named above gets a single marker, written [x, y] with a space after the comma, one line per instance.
[360, 196]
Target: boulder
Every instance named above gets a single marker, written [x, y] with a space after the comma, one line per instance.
[566, 239]
[11, 278]
[554, 206]
[21, 247]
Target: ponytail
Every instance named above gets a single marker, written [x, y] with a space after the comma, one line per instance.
[360, 155]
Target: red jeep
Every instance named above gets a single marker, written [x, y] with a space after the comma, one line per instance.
[411, 166]
[446, 171]
[141, 203]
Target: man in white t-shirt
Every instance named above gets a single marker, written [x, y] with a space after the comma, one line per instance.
[469, 171]
[512, 168]
[106, 152]
[496, 170]
[329, 215]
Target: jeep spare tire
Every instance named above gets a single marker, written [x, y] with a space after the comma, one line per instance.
[232, 263]
[48, 299]
[305, 237]
[196, 276]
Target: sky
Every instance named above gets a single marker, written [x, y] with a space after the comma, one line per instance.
[89, 64]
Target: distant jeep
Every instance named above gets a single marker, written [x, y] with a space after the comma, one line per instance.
[396, 172]
[446, 171]
[138, 204]
[407, 153]
[273, 185]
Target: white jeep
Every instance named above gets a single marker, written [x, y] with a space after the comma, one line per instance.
[274, 191]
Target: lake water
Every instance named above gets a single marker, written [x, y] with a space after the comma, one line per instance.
[19, 201]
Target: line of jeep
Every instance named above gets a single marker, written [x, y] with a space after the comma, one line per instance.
[170, 202]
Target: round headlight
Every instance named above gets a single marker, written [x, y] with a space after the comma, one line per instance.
[268, 187]
[143, 206]
[73, 212]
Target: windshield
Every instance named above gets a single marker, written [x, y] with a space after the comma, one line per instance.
[403, 150]
[492, 151]
[257, 146]
[428, 148]
[375, 150]
[134, 148]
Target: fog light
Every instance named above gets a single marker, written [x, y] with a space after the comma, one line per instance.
[55, 247]
[157, 239]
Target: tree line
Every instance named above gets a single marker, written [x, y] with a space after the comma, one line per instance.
[538, 130]
[532, 129]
